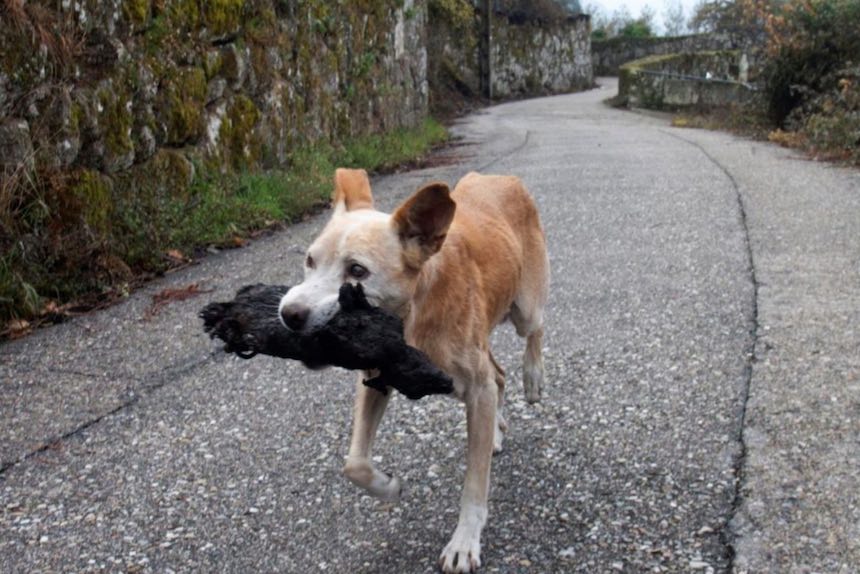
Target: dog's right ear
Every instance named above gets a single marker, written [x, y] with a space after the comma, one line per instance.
[422, 222]
[351, 190]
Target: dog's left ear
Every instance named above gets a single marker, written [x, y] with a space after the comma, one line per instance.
[351, 190]
[422, 222]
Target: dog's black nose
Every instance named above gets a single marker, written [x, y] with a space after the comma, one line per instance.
[295, 316]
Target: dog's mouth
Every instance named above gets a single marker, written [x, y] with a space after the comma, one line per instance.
[314, 366]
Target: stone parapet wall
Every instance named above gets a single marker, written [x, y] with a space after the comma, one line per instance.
[607, 56]
[676, 81]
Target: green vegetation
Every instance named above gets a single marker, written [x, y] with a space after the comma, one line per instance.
[809, 55]
[384, 152]
[636, 29]
[220, 209]
[222, 16]
[813, 74]
[92, 235]
[185, 96]
[621, 23]
[458, 14]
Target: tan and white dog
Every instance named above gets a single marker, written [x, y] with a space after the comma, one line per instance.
[453, 266]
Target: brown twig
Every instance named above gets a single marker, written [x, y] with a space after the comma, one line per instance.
[166, 296]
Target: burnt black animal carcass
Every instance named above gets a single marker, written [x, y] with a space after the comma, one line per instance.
[358, 337]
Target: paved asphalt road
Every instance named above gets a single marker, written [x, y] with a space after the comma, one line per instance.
[702, 409]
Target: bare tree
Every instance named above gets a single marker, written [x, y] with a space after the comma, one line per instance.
[621, 17]
[648, 17]
[742, 20]
[674, 19]
[599, 20]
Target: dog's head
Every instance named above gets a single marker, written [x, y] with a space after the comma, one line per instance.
[384, 252]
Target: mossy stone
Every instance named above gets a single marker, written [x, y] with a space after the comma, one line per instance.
[212, 63]
[223, 17]
[183, 14]
[137, 12]
[234, 66]
[176, 172]
[88, 197]
[236, 133]
[115, 122]
[183, 103]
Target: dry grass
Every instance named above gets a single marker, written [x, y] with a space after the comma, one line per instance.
[41, 26]
[786, 139]
[742, 120]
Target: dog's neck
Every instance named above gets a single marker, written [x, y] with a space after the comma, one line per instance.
[425, 293]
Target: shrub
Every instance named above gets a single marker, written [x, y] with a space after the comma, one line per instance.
[810, 43]
[812, 74]
[830, 121]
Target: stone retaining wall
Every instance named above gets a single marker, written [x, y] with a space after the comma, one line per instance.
[105, 87]
[527, 59]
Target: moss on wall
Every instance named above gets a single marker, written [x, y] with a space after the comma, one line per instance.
[134, 111]
[222, 16]
[115, 121]
[137, 12]
[184, 98]
[241, 147]
[88, 197]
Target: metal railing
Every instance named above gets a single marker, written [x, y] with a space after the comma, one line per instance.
[688, 77]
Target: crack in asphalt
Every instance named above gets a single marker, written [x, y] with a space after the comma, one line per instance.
[147, 388]
[507, 154]
[727, 533]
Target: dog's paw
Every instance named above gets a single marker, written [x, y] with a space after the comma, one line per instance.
[499, 433]
[378, 484]
[462, 554]
[498, 441]
[389, 491]
[533, 382]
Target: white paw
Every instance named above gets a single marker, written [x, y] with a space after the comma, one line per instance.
[378, 484]
[390, 491]
[462, 554]
[498, 441]
[499, 434]
[532, 382]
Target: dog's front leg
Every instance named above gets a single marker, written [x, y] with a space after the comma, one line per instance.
[369, 407]
[463, 552]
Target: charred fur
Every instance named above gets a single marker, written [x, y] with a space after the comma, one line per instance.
[358, 337]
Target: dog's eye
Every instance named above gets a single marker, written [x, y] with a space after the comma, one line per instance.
[357, 271]
[309, 262]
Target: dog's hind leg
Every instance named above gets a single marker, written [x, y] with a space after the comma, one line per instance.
[527, 317]
[501, 423]
[533, 370]
[527, 314]
[369, 407]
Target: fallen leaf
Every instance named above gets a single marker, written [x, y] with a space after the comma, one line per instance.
[177, 255]
[17, 327]
[166, 296]
[50, 308]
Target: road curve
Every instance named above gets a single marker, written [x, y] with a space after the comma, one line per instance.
[702, 408]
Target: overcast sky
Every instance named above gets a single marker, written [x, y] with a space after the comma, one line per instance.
[635, 6]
